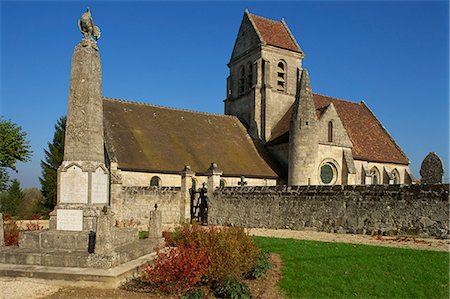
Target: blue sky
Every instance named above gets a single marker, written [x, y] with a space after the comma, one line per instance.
[393, 55]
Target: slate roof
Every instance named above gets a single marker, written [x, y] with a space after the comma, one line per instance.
[144, 137]
[275, 33]
[371, 141]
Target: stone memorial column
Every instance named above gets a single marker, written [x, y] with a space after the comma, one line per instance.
[83, 176]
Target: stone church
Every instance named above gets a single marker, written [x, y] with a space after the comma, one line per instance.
[275, 129]
[132, 156]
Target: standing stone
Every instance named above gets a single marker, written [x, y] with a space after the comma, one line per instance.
[104, 237]
[431, 169]
[2, 231]
[155, 224]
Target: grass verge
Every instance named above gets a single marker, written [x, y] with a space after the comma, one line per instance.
[335, 270]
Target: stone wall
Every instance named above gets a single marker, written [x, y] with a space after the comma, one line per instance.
[132, 206]
[419, 210]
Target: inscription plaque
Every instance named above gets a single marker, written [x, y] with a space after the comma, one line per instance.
[74, 186]
[99, 187]
[69, 220]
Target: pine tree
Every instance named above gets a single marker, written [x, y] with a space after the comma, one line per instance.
[13, 199]
[53, 159]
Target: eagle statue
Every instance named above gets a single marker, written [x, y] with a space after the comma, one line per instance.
[87, 27]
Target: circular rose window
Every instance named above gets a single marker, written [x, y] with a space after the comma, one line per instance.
[327, 173]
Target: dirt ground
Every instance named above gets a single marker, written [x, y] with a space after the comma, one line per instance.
[264, 288]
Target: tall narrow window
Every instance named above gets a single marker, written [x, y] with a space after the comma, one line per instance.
[395, 177]
[281, 76]
[330, 131]
[249, 76]
[375, 174]
[241, 80]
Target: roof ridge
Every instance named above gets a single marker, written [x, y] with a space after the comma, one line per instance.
[252, 14]
[343, 100]
[249, 15]
[169, 108]
[291, 35]
[386, 131]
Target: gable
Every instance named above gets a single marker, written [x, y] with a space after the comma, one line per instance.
[370, 141]
[143, 137]
[340, 136]
[247, 38]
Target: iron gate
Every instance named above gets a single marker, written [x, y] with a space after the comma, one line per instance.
[199, 205]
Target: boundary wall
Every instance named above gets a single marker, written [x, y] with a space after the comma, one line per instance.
[417, 210]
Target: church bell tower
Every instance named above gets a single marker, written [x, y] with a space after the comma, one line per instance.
[261, 86]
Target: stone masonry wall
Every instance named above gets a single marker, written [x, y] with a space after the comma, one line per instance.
[419, 210]
[132, 206]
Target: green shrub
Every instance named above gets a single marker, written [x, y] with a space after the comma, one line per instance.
[234, 289]
[143, 234]
[193, 294]
[173, 238]
[232, 253]
[261, 267]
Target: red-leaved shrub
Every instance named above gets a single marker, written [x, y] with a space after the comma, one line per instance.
[177, 269]
[33, 226]
[11, 233]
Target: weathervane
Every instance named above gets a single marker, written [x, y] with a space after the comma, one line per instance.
[87, 27]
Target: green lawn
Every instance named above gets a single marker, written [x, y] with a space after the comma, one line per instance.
[336, 270]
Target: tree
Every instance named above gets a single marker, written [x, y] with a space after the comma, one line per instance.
[13, 147]
[53, 159]
[31, 205]
[13, 199]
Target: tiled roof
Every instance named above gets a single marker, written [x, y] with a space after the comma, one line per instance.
[371, 142]
[275, 33]
[143, 137]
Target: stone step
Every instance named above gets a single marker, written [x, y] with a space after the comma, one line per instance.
[98, 278]
[77, 258]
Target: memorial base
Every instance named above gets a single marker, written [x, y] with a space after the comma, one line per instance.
[78, 258]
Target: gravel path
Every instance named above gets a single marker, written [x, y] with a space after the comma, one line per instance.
[402, 242]
[12, 288]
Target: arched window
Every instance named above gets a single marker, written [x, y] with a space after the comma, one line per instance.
[222, 183]
[395, 177]
[249, 76]
[194, 184]
[330, 131]
[281, 76]
[375, 174]
[155, 182]
[328, 173]
[241, 84]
